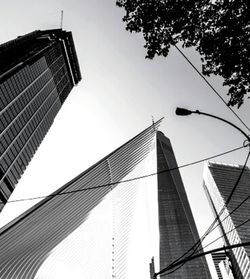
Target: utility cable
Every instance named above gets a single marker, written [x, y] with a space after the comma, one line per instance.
[209, 84]
[230, 196]
[226, 203]
[230, 213]
[224, 234]
[201, 250]
[172, 271]
[247, 243]
[194, 248]
[127, 180]
[184, 260]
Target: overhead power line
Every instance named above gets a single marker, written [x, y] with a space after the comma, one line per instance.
[173, 271]
[194, 248]
[178, 264]
[224, 248]
[229, 197]
[127, 180]
[230, 213]
[210, 243]
[224, 234]
[210, 85]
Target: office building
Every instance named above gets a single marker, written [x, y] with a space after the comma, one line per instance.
[222, 265]
[219, 180]
[37, 72]
[127, 216]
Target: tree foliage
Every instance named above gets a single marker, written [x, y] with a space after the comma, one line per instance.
[218, 29]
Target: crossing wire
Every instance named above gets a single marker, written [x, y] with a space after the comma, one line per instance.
[224, 234]
[228, 199]
[127, 180]
[194, 248]
[230, 213]
[210, 85]
[193, 256]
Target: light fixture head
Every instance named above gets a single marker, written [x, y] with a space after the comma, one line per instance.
[183, 111]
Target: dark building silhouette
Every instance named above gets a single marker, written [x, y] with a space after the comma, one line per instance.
[178, 232]
[37, 72]
[219, 180]
[107, 222]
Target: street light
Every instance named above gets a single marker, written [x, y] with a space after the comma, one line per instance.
[185, 112]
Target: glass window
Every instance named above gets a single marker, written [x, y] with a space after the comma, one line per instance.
[3, 196]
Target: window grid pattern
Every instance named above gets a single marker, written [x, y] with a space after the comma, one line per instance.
[29, 101]
[61, 77]
[41, 237]
[219, 182]
[176, 224]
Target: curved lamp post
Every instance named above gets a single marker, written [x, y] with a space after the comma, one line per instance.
[185, 112]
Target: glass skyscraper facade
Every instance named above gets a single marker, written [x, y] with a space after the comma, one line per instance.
[37, 72]
[178, 232]
[108, 222]
[219, 180]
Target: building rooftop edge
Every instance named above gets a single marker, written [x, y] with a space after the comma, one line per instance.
[66, 36]
[225, 165]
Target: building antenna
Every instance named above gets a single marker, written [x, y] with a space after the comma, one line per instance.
[153, 122]
[61, 24]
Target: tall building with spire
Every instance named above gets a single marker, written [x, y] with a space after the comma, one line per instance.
[37, 72]
[219, 181]
[127, 216]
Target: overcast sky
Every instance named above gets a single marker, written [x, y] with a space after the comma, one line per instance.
[119, 93]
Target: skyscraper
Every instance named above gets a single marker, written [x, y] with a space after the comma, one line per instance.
[219, 180]
[110, 221]
[222, 265]
[177, 227]
[37, 72]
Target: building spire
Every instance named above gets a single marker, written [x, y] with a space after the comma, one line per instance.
[61, 24]
[153, 122]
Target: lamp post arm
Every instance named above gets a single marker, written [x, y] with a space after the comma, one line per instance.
[224, 120]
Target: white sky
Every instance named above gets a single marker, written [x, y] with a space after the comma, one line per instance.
[119, 92]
